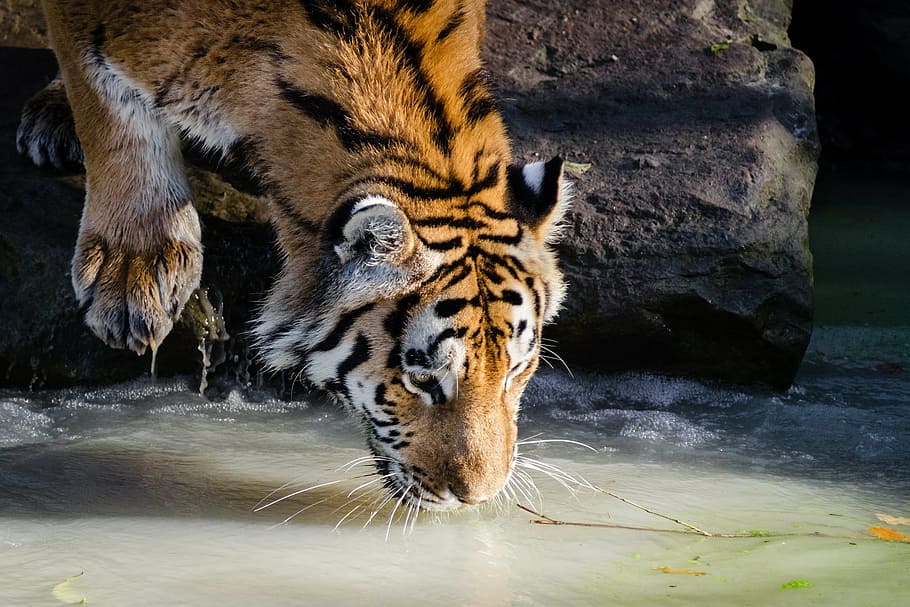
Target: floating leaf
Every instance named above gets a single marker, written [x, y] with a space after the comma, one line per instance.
[760, 533]
[666, 569]
[893, 520]
[65, 592]
[792, 584]
[891, 535]
[577, 168]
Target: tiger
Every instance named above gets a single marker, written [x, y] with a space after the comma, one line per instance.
[419, 265]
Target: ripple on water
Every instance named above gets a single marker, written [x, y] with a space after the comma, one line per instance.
[20, 425]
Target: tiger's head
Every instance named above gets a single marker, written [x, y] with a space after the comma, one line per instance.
[426, 320]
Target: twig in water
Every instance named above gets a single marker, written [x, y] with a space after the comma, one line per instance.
[543, 519]
[546, 520]
[649, 511]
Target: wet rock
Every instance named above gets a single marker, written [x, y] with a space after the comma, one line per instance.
[691, 130]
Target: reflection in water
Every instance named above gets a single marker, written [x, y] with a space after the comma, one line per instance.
[157, 494]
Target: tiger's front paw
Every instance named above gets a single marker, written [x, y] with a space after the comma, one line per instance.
[131, 299]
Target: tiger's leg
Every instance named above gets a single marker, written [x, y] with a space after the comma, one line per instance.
[46, 133]
[138, 254]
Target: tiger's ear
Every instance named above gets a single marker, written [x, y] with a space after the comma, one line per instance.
[377, 253]
[376, 232]
[537, 196]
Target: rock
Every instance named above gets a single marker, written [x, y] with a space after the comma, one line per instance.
[22, 24]
[690, 130]
[688, 246]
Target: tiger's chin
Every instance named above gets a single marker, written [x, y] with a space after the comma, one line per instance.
[407, 488]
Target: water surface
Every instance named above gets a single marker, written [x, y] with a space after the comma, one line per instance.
[151, 491]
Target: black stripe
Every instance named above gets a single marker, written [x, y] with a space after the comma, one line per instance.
[359, 355]
[511, 263]
[513, 240]
[487, 210]
[454, 22]
[384, 439]
[394, 359]
[446, 269]
[490, 180]
[449, 222]
[345, 322]
[242, 166]
[338, 17]
[450, 307]
[413, 162]
[444, 335]
[494, 332]
[416, 6]
[412, 53]
[457, 278]
[300, 221]
[380, 399]
[99, 37]
[445, 245]
[537, 300]
[451, 190]
[478, 103]
[522, 325]
[393, 421]
[511, 297]
[329, 114]
[492, 275]
[395, 321]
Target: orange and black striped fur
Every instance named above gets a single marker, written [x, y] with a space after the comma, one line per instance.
[417, 272]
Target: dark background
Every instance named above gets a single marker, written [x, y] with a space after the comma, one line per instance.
[861, 52]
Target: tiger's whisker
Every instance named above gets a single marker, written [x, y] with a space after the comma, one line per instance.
[525, 484]
[389, 497]
[346, 516]
[351, 499]
[368, 483]
[404, 494]
[565, 479]
[556, 440]
[364, 459]
[549, 351]
[302, 510]
[544, 466]
[262, 506]
[359, 508]
[416, 513]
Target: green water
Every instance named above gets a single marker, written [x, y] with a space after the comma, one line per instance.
[860, 238]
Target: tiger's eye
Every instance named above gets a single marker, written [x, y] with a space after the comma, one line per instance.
[419, 378]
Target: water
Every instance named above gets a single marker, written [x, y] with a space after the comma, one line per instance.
[150, 490]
